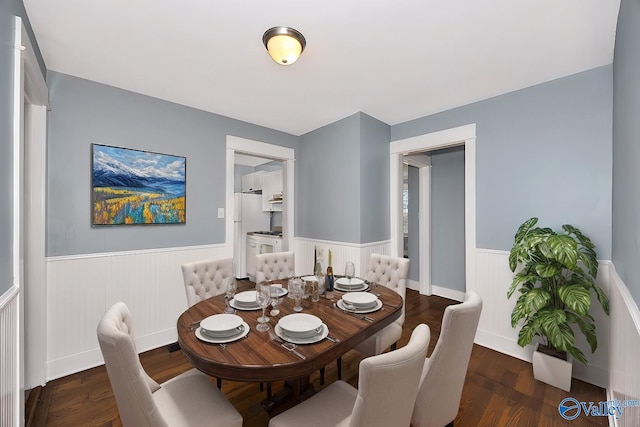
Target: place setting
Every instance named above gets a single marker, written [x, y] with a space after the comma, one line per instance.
[349, 283]
[222, 329]
[360, 303]
[302, 328]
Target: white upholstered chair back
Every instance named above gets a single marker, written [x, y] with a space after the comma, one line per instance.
[388, 384]
[274, 266]
[187, 400]
[391, 272]
[131, 385]
[444, 372]
[204, 279]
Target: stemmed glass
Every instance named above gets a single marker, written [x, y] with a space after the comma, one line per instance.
[229, 293]
[297, 291]
[263, 298]
[275, 299]
[349, 271]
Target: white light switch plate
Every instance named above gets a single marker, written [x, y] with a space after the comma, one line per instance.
[220, 212]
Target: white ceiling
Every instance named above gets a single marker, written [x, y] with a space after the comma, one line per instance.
[394, 60]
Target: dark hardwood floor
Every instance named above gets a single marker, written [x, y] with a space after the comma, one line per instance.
[499, 390]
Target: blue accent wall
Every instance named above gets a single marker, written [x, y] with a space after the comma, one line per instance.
[85, 112]
[626, 148]
[543, 151]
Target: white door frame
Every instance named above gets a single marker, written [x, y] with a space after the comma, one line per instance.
[423, 163]
[270, 151]
[31, 99]
[465, 136]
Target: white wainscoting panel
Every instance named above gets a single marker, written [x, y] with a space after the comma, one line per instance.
[494, 330]
[10, 401]
[624, 353]
[81, 288]
[341, 252]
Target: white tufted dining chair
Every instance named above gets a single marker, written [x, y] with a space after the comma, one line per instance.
[444, 372]
[275, 266]
[204, 279]
[391, 272]
[190, 399]
[387, 387]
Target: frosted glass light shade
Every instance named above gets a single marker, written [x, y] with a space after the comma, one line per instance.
[284, 44]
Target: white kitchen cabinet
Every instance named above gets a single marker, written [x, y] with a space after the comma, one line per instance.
[272, 186]
[260, 244]
[252, 182]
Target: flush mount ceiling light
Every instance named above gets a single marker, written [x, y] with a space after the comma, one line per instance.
[285, 45]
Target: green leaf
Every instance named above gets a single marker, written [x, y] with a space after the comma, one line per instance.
[577, 354]
[589, 260]
[584, 240]
[563, 249]
[520, 279]
[576, 297]
[519, 311]
[536, 299]
[602, 298]
[513, 258]
[560, 335]
[528, 331]
[524, 228]
[546, 269]
[588, 328]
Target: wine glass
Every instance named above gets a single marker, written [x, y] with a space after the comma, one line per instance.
[263, 298]
[296, 290]
[275, 299]
[349, 271]
[229, 293]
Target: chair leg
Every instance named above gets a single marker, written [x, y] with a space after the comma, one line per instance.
[450, 424]
[321, 376]
[219, 381]
[394, 346]
[261, 386]
[269, 394]
[339, 363]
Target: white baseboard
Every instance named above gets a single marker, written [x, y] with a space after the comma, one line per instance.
[89, 359]
[443, 292]
[413, 284]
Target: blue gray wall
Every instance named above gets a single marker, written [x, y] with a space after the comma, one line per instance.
[85, 112]
[342, 181]
[8, 10]
[626, 149]
[542, 151]
[447, 219]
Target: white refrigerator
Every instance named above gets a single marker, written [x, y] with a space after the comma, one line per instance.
[247, 216]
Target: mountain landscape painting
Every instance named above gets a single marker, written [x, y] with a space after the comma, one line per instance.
[137, 187]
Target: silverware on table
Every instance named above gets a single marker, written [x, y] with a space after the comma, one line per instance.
[287, 345]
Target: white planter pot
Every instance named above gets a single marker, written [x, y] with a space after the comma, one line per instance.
[552, 371]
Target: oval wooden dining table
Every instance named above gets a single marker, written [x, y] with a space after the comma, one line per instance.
[260, 358]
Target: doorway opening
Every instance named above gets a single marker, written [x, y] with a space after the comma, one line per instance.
[405, 149]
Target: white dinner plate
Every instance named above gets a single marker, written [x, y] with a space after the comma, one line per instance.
[309, 278]
[361, 288]
[358, 310]
[361, 300]
[221, 324]
[281, 291]
[244, 307]
[354, 282]
[207, 338]
[308, 340]
[246, 298]
[300, 325]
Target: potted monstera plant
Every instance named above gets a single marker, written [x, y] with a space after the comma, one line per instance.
[555, 282]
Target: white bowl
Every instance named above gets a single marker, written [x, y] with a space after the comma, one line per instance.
[221, 324]
[300, 325]
[354, 282]
[360, 299]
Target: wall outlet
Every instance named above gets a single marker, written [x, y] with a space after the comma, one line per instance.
[220, 212]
